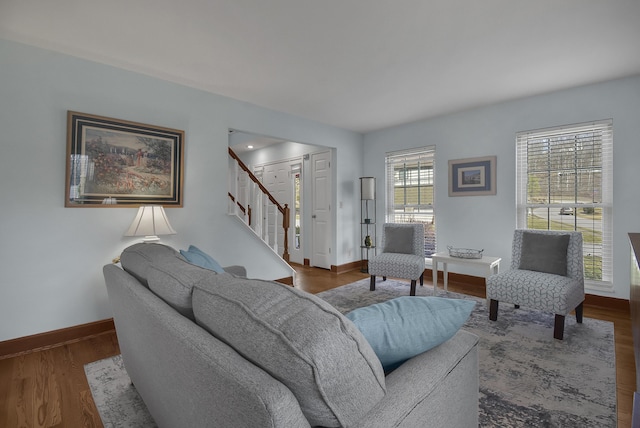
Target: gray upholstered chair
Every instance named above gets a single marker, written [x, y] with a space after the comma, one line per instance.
[546, 274]
[402, 254]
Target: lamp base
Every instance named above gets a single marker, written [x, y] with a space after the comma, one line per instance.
[150, 239]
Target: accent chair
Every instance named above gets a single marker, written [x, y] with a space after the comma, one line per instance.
[546, 274]
[402, 254]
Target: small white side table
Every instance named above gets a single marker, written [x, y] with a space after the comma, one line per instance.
[491, 264]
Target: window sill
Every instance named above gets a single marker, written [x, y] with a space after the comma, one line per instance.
[599, 286]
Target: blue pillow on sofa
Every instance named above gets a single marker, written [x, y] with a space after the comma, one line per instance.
[198, 257]
[404, 327]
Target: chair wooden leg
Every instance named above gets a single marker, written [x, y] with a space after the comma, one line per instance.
[493, 310]
[413, 288]
[422, 279]
[579, 313]
[372, 283]
[384, 278]
[558, 329]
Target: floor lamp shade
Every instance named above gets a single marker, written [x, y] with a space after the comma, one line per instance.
[150, 221]
[367, 188]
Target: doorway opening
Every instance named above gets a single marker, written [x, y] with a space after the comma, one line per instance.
[288, 171]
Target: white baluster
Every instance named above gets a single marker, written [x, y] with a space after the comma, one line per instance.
[265, 221]
[275, 228]
[243, 178]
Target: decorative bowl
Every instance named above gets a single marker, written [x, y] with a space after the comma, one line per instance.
[464, 253]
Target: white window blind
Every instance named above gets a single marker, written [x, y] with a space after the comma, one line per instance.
[410, 185]
[564, 182]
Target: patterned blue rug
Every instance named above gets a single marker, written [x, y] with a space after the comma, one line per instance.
[527, 378]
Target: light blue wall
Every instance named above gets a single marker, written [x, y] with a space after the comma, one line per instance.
[488, 221]
[51, 257]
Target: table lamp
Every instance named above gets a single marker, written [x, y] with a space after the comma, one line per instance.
[150, 221]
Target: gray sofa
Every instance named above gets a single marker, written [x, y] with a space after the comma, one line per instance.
[220, 350]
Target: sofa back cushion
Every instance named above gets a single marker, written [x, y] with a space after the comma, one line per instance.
[300, 340]
[174, 280]
[137, 259]
[167, 273]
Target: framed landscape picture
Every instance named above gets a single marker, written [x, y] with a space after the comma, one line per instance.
[472, 177]
[112, 162]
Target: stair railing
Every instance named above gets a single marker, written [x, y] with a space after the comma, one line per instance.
[256, 206]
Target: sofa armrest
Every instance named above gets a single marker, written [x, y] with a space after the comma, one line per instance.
[236, 270]
[437, 388]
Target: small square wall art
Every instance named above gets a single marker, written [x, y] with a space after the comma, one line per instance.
[472, 177]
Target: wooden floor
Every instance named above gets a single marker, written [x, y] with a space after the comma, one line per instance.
[48, 388]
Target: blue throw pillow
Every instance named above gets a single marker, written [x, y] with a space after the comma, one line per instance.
[198, 257]
[404, 327]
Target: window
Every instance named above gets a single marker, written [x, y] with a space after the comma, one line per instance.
[410, 187]
[564, 182]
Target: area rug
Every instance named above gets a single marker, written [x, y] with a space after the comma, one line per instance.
[527, 378]
[117, 400]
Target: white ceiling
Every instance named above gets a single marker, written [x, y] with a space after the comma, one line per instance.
[356, 64]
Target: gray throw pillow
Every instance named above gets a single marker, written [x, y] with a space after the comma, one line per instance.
[300, 340]
[398, 239]
[544, 253]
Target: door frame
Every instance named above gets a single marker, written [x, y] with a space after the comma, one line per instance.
[322, 261]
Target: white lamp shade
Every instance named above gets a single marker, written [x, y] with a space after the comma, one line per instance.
[367, 188]
[150, 221]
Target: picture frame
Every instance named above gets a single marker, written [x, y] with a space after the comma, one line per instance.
[472, 176]
[113, 162]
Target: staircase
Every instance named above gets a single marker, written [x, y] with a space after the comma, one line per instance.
[252, 203]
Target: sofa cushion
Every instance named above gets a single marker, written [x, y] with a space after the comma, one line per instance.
[398, 239]
[300, 340]
[544, 253]
[137, 259]
[404, 327]
[198, 257]
[173, 282]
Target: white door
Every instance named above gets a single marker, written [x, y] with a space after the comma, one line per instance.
[321, 210]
